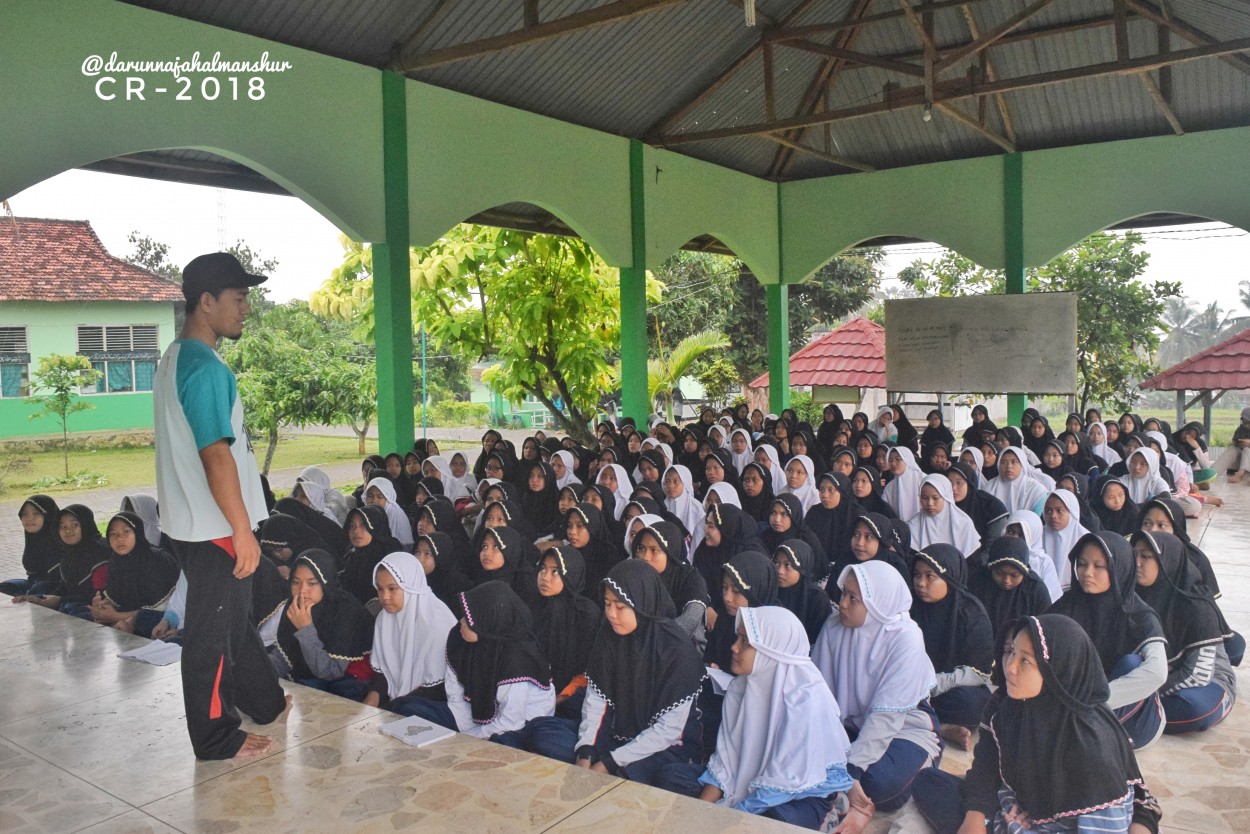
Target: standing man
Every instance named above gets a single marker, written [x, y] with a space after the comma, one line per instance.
[210, 502]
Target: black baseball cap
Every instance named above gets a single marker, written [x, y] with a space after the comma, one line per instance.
[214, 272]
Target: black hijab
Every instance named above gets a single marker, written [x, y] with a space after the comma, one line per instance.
[1004, 607]
[142, 578]
[932, 436]
[1084, 460]
[874, 502]
[1068, 725]
[1183, 450]
[520, 562]
[80, 562]
[404, 485]
[343, 625]
[683, 583]
[1038, 444]
[565, 624]
[833, 527]
[983, 508]
[542, 507]
[1189, 615]
[41, 554]
[805, 599]
[650, 671]
[735, 537]
[1180, 530]
[957, 630]
[865, 436]
[725, 458]
[447, 581]
[479, 465]
[1054, 472]
[907, 434]
[830, 418]
[753, 575]
[282, 530]
[331, 534]
[974, 435]
[759, 506]
[882, 529]
[1080, 488]
[771, 539]
[513, 517]
[603, 551]
[360, 563]
[426, 489]
[1124, 520]
[505, 651]
[441, 513]
[1117, 620]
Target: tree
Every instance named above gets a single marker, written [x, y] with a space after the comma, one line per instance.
[720, 382]
[153, 256]
[254, 263]
[664, 374]
[546, 307]
[64, 376]
[1119, 316]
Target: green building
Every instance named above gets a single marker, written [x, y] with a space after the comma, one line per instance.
[62, 292]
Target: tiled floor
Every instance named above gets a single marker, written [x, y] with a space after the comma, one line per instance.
[92, 743]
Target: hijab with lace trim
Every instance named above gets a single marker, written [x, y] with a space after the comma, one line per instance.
[41, 552]
[1189, 615]
[1039, 560]
[343, 625]
[1005, 606]
[873, 502]
[565, 624]
[805, 598]
[753, 576]
[144, 577]
[146, 508]
[409, 646]
[950, 525]
[957, 630]
[881, 666]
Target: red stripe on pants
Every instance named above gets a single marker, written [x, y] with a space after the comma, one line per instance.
[214, 705]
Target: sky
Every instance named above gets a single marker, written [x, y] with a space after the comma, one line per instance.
[1209, 259]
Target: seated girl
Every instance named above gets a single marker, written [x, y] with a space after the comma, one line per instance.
[939, 521]
[41, 550]
[409, 658]
[723, 538]
[497, 678]
[82, 570]
[586, 528]
[1007, 586]
[987, 513]
[801, 481]
[1062, 517]
[1201, 685]
[872, 539]
[1126, 631]
[1027, 526]
[831, 520]
[958, 638]
[380, 492]
[797, 589]
[872, 657]
[903, 491]
[782, 750]
[786, 521]
[867, 488]
[439, 515]
[369, 534]
[1115, 511]
[140, 578]
[565, 623]
[1014, 486]
[680, 500]
[757, 494]
[508, 557]
[324, 633]
[660, 546]
[1050, 707]
[437, 556]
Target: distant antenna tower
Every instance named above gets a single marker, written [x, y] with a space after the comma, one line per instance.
[221, 220]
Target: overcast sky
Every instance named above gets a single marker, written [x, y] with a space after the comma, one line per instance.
[1210, 260]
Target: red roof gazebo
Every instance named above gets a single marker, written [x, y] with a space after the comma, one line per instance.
[852, 356]
[1223, 367]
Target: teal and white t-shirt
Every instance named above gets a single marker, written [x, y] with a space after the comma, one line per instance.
[197, 404]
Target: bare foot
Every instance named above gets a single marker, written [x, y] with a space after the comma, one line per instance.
[285, 710]
[254, 746]
[1215, 500]
[959, 736]
[1236, 479]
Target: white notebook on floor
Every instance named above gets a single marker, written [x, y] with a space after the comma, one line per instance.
[158, 653]
[416, 731]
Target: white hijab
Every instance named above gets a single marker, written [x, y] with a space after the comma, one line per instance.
[146, 508]
[452, 486]
[685, 506]
[1178, 467]
[334, 500]
[1024, 493]
[741, 459]
[570, 469]
[467, 481]
[717, 443]
[728, 495]
[781, 728]
[903, 491]
[1059, 543]
[778, 474]
[1143, 489]
[950, 526]
[1039, 560]
[401, 528]
[647, 519]
[880, 666]
[978, 458]
[623, 487]
[410, 646]
[1103, 449]
[808, 494]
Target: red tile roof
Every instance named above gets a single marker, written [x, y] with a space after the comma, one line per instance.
[851, 356]
[63, 260]
[1222, 367]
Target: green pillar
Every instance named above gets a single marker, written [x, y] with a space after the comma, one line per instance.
[392, 287]
[1013, 250]
[778, 298]
[634, 400]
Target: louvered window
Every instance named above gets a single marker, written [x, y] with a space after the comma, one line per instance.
[125, 356]
[14, 363]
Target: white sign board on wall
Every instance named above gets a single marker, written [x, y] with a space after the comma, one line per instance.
[982, 343]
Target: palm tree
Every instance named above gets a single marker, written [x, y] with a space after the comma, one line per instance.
[664, 373]
[1179, 315]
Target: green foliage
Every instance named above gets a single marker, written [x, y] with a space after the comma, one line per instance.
[153, 256]
[1119, 316]
[455, 414]
[62, 375]
[720, 382]
[82, 479]
[807, 411]
[664, 373]
[696, 286]
[254, 263]
[1190, 330]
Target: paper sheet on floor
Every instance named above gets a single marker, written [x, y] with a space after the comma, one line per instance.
[158, 653]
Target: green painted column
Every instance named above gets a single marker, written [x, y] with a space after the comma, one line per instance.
[1013, 247]
[392, 287]
[634, 400]
[778, 298]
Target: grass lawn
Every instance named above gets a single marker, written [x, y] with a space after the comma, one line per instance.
[1223, 420]
[136, 467]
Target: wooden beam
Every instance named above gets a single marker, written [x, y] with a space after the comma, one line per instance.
[613, 12]
[855, 58]
[864, 20]
[1162, 103]
[827, 157]
[1119, 14]
[1163, 41]
[989, 38]
[761, 19]
[531, 13]
[679, 112]
[1004, 112]
[770, 99]
[404, 45]
[1190, 33]
[956, 90]
[917, 25]
[960, 116]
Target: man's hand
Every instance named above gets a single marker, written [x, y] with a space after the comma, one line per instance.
[246, 554]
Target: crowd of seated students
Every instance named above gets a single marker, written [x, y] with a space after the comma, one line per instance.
[787, 620]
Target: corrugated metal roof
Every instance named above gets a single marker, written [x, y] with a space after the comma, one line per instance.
[1222, 367]
[853, 356]
[625, 77]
